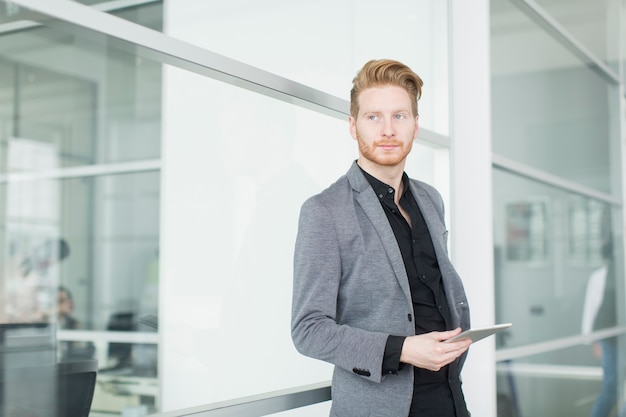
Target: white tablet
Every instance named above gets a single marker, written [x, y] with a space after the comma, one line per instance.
[479, 333]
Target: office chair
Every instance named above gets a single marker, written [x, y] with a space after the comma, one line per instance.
[64, 389]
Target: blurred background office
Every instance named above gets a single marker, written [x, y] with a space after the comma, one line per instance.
[169, 145]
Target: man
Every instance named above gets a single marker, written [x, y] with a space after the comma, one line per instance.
[70, 350]
[375, 293]
[65, 309]
[600, 312]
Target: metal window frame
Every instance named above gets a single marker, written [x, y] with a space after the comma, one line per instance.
[259, 405]
[505, 164]
[86, 22]
[561, 35]
[92, 22]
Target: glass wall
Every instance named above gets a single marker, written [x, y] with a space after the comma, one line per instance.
[303, 42]
[80, 148]
[267, 156]
[83, 119]
[594, 25]
[242, 164]
[547, 243]
[558, 215]
[547, 101]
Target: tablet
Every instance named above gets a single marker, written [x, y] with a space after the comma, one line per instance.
[479, 333]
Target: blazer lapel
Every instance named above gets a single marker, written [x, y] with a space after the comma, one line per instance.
[368, 201]
[431, 217]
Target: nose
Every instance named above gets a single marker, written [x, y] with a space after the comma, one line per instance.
[388, 130]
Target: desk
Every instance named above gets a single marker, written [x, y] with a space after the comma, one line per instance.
[101, 340]
[113, 393]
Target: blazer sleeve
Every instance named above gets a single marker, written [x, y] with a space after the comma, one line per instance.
[316, 285]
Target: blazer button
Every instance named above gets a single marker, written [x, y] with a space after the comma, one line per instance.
[410, 317]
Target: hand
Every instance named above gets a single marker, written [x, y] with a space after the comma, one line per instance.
[428, 350]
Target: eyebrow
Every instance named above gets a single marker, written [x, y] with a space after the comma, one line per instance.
[382, 111]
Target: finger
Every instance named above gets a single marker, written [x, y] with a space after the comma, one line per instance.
[448, 334]
[459, 347]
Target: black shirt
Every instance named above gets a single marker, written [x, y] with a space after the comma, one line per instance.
[432, 393]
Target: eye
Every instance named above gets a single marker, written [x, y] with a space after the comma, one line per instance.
[399, 116]
[372, 117]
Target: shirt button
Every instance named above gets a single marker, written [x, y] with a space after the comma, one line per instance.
[439, 307]
[423, 277]
[390, 190]
[380, 196]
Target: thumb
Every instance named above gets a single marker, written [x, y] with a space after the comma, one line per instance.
[448, 334]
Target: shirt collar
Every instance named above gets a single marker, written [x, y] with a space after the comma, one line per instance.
[381, 189]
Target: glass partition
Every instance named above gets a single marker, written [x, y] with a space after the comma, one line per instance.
[550, 111]
[322, 44]
[88, 102]
[595, 25]
[239, 166]
[88, 266]
[560, 280]
[558, 215]
[82, 118]
[548, 243]
[80, 148]
[307, 42]
[564, 382]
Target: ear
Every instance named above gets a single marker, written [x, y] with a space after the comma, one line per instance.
[417, 128]
[352, 127]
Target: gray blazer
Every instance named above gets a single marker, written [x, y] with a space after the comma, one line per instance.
[351, 292]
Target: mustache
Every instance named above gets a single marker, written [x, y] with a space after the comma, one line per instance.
[387, 142]
[380, 142]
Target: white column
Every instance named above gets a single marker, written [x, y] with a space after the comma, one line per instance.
[471, 198]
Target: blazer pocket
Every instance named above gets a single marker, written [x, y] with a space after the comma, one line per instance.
[462, 307]
[362, 372]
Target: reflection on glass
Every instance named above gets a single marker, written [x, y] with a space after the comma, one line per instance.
[526, 231]
[78, 102]
[565, 382]
[547, 244]
[79, 232]
[593, 24]
[89, 268]
[550, 111]
[285, 38]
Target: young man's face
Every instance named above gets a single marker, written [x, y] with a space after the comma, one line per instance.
[385, 126]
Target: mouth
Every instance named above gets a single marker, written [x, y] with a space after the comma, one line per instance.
[387, 146]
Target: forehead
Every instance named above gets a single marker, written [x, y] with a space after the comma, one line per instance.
[384, 98]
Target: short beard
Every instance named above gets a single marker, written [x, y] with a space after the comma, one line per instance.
[368, 152]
